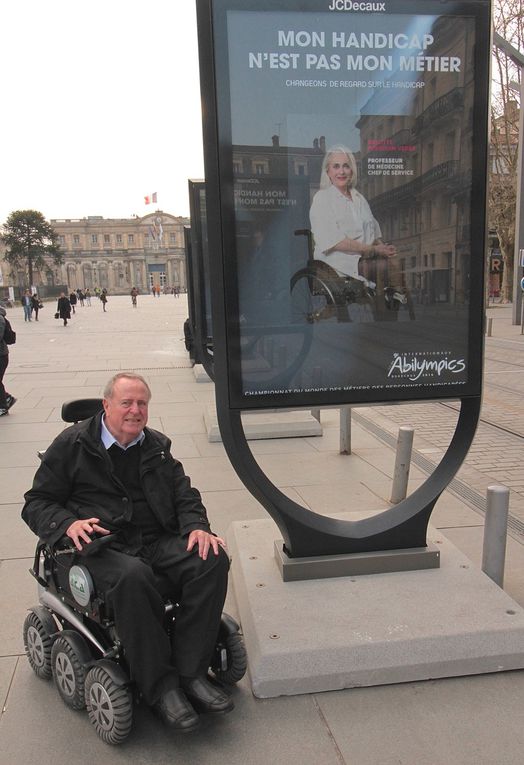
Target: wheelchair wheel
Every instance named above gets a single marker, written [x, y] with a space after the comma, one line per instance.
[109, 705]
[312, 298]
[69, 656]
[39, 627]
[229, 662]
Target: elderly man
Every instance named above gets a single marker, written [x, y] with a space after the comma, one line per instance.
[112, 474]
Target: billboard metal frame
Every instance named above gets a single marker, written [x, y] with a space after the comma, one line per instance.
[306, 533]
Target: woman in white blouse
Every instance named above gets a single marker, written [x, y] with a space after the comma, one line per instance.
[342, 223]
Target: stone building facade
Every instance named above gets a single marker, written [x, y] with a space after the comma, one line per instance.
[115, 253]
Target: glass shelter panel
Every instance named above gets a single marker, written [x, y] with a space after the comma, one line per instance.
[352, 154]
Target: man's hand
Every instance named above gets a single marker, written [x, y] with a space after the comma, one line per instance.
[81, 530]
[204, 540]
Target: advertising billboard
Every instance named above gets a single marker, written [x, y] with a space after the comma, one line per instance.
[346, 155]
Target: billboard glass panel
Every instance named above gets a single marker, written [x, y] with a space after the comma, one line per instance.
[351, 142]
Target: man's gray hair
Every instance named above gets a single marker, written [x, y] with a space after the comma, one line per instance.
[108, 390]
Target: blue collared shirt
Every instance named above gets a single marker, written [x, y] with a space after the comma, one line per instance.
[108, 438]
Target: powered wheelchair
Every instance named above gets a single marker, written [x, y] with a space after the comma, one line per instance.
[70, 635]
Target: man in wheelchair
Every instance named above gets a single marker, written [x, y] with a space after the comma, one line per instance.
[112, 475]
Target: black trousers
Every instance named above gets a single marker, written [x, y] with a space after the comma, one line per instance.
[132, 592]
[4, 361]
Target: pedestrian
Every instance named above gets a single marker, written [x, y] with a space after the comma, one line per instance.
[103, 298]
[27, 304]
[6, 399]
[63, 308]
[153, 290]
[134, 293]
[36, 305]
[73, 300]
[158, 290]
[88, 297]
[81, 297]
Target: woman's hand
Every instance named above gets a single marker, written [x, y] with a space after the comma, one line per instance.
[385, 250]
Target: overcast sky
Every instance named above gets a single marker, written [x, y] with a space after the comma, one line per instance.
[100, 106]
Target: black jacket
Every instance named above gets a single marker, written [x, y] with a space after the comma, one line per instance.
[75, 480]
[63, 307]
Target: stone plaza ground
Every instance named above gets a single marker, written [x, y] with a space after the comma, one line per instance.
[474, 720]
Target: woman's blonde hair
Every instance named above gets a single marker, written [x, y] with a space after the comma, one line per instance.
[338, 149]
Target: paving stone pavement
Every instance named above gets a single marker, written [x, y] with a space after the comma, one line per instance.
[458, 721]
[496, 455]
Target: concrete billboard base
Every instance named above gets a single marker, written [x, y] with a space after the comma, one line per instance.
[346, 632]
[270, 424]
[201, 376]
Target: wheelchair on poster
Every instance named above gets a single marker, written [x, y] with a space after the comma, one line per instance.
[319, 293]
[70, 636]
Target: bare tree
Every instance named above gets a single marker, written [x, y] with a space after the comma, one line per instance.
[505, 107]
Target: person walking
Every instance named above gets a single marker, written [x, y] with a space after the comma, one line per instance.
[88, 296]
[27, 304]
[81, 297]
[134, 293]
[6, 399]
[73, 300]
[103, 298]
[63, 308]
[36, 305]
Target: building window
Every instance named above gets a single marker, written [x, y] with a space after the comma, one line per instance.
[301, 168]
[172, 238]
[130, 238]
[119, 238]
[260, 167]
[237, 167]
[76, 239]
[107, 239]
[61, 240]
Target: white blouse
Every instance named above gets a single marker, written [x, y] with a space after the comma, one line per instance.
[335, 217]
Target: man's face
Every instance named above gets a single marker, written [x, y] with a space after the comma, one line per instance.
[126, 410]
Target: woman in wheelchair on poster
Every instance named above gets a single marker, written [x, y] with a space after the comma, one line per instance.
[344, 229]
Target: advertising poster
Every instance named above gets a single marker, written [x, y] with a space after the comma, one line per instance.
[353, 166]
[200, 255]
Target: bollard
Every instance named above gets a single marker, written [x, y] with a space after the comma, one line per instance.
[495, 533]
[402, 463]
[490, 327]
[345, 430]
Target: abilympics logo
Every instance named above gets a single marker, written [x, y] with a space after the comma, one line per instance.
[354, 5]
[414, 366]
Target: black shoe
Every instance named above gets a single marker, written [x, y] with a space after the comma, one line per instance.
[205, 696]
[3, 412]
[10, 400]
[174, 710]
